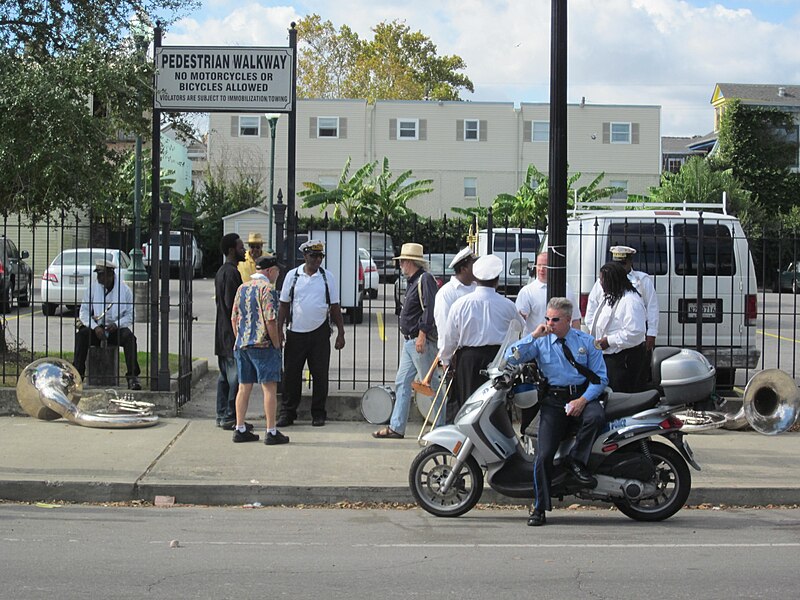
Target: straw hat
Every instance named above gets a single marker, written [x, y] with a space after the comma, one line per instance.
[255, 238]
[411, 251]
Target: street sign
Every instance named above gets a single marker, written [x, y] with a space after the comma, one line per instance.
[223, 79]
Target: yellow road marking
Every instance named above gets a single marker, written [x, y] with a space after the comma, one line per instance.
[778, 337]
[381, 328]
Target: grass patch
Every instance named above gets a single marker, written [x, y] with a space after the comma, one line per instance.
[14, 363]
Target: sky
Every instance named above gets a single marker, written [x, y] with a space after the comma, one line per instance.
[643, 52]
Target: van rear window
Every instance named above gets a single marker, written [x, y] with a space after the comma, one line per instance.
[504, 242]
[717, 249]
[649, 240]
[529, 242]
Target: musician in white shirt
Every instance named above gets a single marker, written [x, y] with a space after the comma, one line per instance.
[618, 326]
[476, 326]
[106, 315]
[532, 299]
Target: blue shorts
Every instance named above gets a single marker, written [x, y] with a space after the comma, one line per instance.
[258, 365]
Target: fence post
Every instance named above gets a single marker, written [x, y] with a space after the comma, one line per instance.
[163, 372]
[700, 261]
[279, 212]
[489, 227]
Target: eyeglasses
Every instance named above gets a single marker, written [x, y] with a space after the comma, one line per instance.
[552, 319]
[255, 246]
[316, 254]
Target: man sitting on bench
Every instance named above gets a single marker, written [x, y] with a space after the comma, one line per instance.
[106, 316]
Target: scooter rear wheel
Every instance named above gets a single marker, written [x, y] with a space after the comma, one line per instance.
[673, 482]
[427, 475]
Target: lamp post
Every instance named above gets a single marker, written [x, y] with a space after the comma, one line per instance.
[272, 119]
[137, 274]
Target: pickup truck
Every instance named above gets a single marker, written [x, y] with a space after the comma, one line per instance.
[175, 253]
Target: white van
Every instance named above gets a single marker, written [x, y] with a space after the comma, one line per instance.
[666, 244]
[517, 247]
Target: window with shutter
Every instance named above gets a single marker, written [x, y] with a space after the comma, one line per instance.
[606, 133]
[392, 129]
[328, 127]
[459, 130]
[540, 131]
[407, 129]
[342, 128]
[620, 133]
[312, 127]
[470, 187]
[472, 129]
[526, 131]
[484, 131]
[249, 126]
[623, 185]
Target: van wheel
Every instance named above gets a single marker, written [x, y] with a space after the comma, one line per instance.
[725, 378]
[356, 314]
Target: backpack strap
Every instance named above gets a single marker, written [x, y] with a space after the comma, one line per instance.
[327, 291]
[291, 294]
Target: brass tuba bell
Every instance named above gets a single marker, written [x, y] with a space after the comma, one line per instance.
[771, 402]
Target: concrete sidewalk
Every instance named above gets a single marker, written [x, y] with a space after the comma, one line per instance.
[197, 463]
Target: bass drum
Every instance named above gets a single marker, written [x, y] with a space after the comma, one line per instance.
[377, 404]
[423, 403]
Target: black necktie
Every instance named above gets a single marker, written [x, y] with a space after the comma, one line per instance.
[585, 371]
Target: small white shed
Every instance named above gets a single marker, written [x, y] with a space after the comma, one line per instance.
[243, 222]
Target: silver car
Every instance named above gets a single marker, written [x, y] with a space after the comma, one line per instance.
[68, 276]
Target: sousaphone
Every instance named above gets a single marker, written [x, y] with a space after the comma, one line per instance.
[771, 402]
[50, 388]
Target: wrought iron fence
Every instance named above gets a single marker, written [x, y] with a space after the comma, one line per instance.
[46, 266]
[745, 320]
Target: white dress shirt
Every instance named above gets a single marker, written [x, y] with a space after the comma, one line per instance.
[622, 324]
[643, 283]
[449, 293]
[309, 308]
[532, 304]
[478, 319]
[101, 308]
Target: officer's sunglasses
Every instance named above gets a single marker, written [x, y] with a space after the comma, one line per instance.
[552, 319]
[316, 254]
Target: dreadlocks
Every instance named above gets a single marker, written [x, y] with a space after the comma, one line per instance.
[615, 282]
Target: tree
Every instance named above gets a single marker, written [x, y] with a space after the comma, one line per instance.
[698, 182]
[391, 197]
[760, 146]
[396, 64]
[529, 206]
[353, 197]
[71, 79]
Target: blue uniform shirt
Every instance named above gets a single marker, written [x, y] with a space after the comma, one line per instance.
[554, 365]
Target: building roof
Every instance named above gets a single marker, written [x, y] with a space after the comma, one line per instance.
[778, 94]
[677, 145]
[703, 142]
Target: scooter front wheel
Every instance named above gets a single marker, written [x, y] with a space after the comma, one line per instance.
[428, 473]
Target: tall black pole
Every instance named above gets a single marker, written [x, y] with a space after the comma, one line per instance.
[557, 225]
[155, 210]
[291, 223]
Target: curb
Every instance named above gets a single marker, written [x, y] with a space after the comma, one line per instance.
[232, 495]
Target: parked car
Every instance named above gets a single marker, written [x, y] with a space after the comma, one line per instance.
[787, 280]
[175, 253]
[438, 266]
[371, 279]
[16, 278]
[68, 276]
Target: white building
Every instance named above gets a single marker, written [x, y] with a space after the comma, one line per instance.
[471, 150]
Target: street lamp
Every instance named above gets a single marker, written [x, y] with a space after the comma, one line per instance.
[272, 119]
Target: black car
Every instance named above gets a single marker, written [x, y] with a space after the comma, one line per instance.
[16, 277]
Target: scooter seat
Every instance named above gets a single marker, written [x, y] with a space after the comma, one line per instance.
[620, 404]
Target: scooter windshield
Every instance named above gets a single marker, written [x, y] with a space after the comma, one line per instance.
[512, 335]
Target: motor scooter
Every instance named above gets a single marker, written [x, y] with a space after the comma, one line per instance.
[647, 480]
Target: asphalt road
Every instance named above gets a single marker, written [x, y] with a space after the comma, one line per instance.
[372, 348]
[97, 552]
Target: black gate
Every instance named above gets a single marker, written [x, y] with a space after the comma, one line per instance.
[186, 270]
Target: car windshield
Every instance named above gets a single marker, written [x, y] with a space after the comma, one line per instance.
[82, 258]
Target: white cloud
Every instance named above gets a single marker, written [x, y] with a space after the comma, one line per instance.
[667, 52]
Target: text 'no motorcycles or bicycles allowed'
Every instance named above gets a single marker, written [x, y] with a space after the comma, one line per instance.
[209, 79]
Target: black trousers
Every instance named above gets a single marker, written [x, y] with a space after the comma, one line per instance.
[124, 337]
[314, 348]
[626, 369]
[553, 426]
[469, 361]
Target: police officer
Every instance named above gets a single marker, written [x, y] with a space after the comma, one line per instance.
[576, 378]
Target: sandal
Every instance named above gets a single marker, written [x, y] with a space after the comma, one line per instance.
[387, 434]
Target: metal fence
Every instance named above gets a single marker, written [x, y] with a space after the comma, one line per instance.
[745, 319]
[45, 267]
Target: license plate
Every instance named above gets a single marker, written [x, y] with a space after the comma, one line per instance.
[75, 280]
[711, 310]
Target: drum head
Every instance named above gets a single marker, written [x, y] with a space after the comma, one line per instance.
[423, 403]
[377, 404]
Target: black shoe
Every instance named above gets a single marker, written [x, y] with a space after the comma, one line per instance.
[231, 425]
[318, 422]
[537, 519]
[244, 436]
[581, 475]
[133, 383]
[277, 438]
[284, 421]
